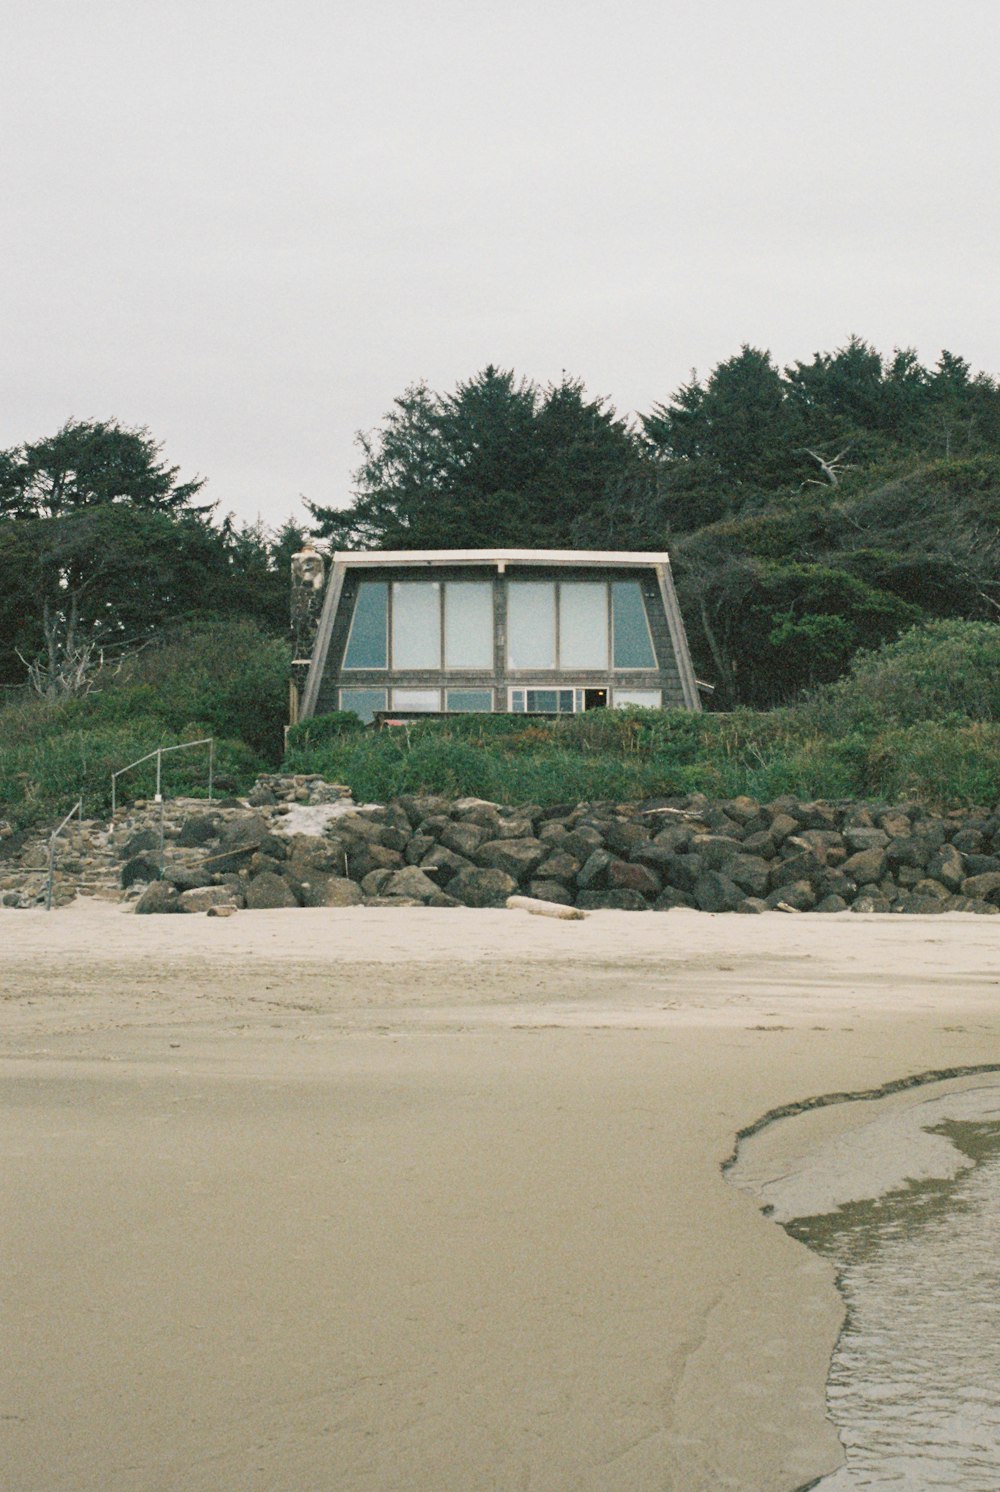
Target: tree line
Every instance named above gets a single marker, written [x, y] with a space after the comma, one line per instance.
[810, 511]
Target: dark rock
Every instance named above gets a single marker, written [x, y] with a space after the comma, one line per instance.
[751, 874]
[519, 828]
[274, 845]
[866, 865]
[374, 882]
[683, 871]
[674, 837]
[249, 829]
[143, 842]
[197, 830]
[831, 904]
[412, 882]
[559, 867]
[394, 838]
[202, 898]
[159, 896]
[752, 906]
[980, 865]
[443, 863]
[418, 847]
[907, 850]
[330, 891]
[268, 891]
[760, 844]
[867, 903]
[552, 833]
[741, 810]
[581, 842]
[482, 888]
[715, 850]
[864, 837]
[715, 892]
[970, 841]
[442, 899]
[518, 857]
[593, 873]
[802, 866]
[623, 837]
[612, 901]
[551, 891]
[798, 894]
[625, 875]
[670, 897]
[657, 856]
[983, 888]
[369, 856]
[931, 888]
[260, 796]
[782, 824]
[143, 867]
[184, 878]
[463, 838]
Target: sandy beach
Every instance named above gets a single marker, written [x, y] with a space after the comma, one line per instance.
[423, 1200]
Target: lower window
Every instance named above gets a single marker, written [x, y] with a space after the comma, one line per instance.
[416, 700]
[364, 702]
[470, 701]
[546, 701]
[649, 699]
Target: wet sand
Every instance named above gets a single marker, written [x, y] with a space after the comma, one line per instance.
[395, 1201]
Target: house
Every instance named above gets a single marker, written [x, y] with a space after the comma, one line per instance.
[549, 631]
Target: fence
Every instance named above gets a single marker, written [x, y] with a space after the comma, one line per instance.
[159, 754]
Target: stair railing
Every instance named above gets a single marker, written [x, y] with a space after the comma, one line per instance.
[159, 754]
[78, 810]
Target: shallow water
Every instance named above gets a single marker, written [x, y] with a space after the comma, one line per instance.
[914, 1385]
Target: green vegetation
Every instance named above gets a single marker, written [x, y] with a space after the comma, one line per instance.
[919, 718]
[221, 679]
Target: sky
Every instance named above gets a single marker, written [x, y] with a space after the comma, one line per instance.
[250, 226]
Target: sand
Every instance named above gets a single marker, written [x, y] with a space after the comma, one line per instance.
[432, 1201]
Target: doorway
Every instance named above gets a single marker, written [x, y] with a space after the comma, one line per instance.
[595, 699]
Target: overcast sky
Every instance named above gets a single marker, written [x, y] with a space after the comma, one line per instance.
[250, 225]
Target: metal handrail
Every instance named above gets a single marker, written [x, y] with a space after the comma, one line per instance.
[160, 753]
[77, 809]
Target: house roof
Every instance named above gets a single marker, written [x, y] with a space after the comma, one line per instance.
[603, 557]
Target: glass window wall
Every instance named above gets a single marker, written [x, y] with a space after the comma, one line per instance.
[531, 624]
[416, 699]
[633, 646]
[416, 624]
[468, 624]
[583, 624]
[366, 645]
[364, 702]
[470, 701]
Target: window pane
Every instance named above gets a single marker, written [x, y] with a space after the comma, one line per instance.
[633, 646]
[416, 699]
[366, 644]
[477, 700]
[583, 624]
[363, 702]
[517, 701]
[468, 624]
[650, 699]
[543, 699]
[416, 624]
[531, 624]
[565, 701]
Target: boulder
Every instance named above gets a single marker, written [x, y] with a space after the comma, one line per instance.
[670, 897]
[831, 904]
[410, 882]
[983, 887]
[331, 891]
[553, 891]
[443, 863]
[625, 875]
[715, 850]
[782, 824]
[715, 892]
[248, 829]
[518, 857]
[464, 839]
[612, 901]
[419, 846]
[797, 894]
[865, 866]
[201, 898]
[197, 829]
[622, 837]
[143, 842]
[750, 872]
[593, 873]
[188, 878]
[482, 888]
[559, 867]
[864, 837]
[752, 906]
[144, 867]
[159, 896]
[269, 891]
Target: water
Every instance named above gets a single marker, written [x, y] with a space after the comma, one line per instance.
[914, 1383]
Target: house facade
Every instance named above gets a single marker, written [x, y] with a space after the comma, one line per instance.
[520, 630]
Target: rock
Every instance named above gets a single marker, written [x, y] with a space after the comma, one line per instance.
[907, 849]
[188, 877]
[625, 875]
[799, 895]
[622, 837]
[715, 892]
[782, 824]
[261, 797]
[593, 873]
[715, 850]
[159, 896]
[864, 837]
[364, 857]
[197, 829]
[442, 899]
[984, 887]
[224, 911]
[752, 906]
[202, 898]
[931, 888]
[248, 829]
[143, 842]
[443, 863]
[582, 842]
[559, 867]
[831, 904]
[683, 871]
[970, 841]
[375, 881]
[612, 901]
[741, 810]
[464, 839]
[411, 882]
[519, 828]
[868, 903]
[140, 868]
[482, 888]
[331, 891]
[751, 873]
[269, 891]
[760, 844]
[517, 857]
[803, 866]
[553, 891]
[670, 897]
[419, 846]
[866, 865]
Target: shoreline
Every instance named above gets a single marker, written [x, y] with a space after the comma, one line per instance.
[483, 1154]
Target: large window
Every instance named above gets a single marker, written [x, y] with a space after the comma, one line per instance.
[576, 625]
[367, 645]
[416, 624]
[364, 702]
[422, 617]
[470, 701]
[546, 701]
